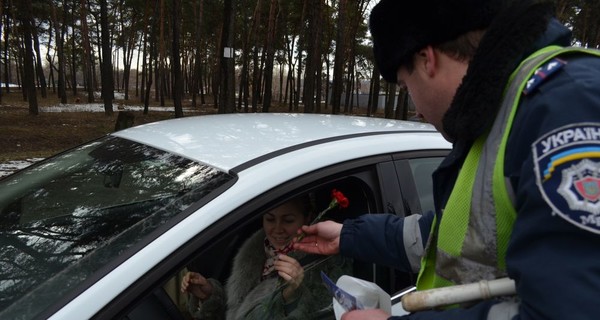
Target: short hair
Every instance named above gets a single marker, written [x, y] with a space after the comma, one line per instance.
[462, 48]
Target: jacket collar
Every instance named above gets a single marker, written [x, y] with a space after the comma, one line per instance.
[519, 31]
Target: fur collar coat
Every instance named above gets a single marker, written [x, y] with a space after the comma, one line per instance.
[246, 296]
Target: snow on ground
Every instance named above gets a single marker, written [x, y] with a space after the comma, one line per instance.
[12, 85]
[12, 166]
[99, 107]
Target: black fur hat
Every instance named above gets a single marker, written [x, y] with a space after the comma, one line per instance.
[401, 28]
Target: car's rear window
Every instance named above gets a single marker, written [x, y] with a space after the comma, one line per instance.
[66, 218]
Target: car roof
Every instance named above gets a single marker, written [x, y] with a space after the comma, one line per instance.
[227, 141]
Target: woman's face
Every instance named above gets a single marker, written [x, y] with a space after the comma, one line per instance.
[282, 223]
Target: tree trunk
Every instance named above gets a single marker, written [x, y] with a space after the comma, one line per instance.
[313, 55]
[115, 72]
[319, 105]
[73, 51]
[270, 50]
[256, 87]
[301, 41]
[106, 74]
[26, 17]
[352, 84]
[1, 15]
[339, 63]
[402, 105]
[327, 86]
[38, 63]
[197, 74]
[390, 99]
[49, 58]
[6, 32]
[349, 87]
[243, 89]
[374, 92]
[87, 55]
[176, 63]
[157, 79]
[160, 76]
[281, 77]
[149, 76]
[19, 66]
[137, 68]
[127, 60]
[128, 50]
[289, 83]
[227, 88]
[61, 30]
[146, 51]
[248, 41]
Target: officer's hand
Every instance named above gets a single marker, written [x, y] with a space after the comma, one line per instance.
[371, 314]
[320, 238]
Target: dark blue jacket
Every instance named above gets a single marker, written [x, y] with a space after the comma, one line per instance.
[554, 252]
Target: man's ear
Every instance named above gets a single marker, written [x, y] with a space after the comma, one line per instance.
[428, 60]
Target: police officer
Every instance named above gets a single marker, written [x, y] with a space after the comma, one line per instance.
[519, 195]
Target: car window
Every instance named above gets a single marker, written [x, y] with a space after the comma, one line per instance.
[422, 169]
[216, 261]
[414, 172]
[65, 218]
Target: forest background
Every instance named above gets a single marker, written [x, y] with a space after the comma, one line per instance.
[193, 57]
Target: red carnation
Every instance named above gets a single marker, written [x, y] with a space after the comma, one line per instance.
[340, 198]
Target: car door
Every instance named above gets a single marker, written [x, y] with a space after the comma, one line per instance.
[372, 185]
[415, 170]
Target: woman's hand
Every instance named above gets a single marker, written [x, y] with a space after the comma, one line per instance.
[292, 272]
[320, 238]
[197, 285]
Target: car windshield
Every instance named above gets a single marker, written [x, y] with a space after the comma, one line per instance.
[70, 216]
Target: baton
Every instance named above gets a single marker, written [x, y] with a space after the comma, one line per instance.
[433, 298]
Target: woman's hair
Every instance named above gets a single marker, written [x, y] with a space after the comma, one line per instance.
[306, 202]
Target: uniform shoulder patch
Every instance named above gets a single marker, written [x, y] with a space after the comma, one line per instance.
[542, 73]
[567, 168]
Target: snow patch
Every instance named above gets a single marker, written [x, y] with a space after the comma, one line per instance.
[9, 167]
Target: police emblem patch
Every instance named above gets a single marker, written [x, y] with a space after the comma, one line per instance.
[567, 165]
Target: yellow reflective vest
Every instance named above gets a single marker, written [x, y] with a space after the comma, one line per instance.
[469, 244]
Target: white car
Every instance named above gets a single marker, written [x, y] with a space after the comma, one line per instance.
[101, 231]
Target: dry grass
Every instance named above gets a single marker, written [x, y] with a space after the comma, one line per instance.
[24, 136]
